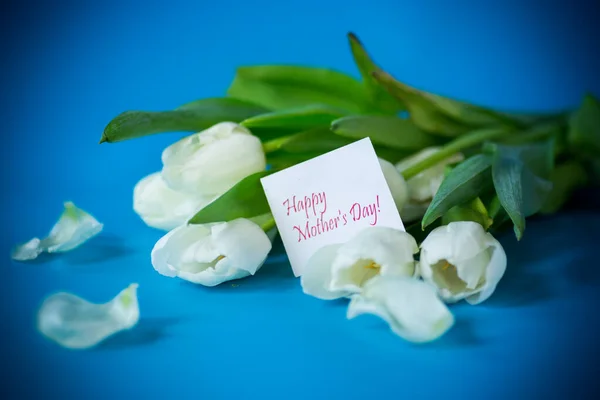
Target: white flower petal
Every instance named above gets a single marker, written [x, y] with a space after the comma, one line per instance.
[395, 182]
[27, 251]
[462, 261]
[75, 323]
[374, 250]
[495, 271]
[316, 277]
[73, 228]
[212, 161]
[211, 254]
[424, 185]
[410, 307]
[161, 207]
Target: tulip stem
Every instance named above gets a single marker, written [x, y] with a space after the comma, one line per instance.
[268, 225]
[453, 147]
[275, 144]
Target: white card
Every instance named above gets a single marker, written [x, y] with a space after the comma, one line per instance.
[329, 199]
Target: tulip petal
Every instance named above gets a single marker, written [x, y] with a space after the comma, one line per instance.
[211, 254]
[316, 277]
[161, 207]
[395, 182]
[212, 161]
[243, 242]
[495, 272]
[375, 250]
[410, 307]
[75, 323]
[73, 228]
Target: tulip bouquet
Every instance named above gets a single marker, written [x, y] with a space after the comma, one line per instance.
[458, 173]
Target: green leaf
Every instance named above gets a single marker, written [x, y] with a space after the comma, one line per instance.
[386, 102]
[191, 117]
[442, 115]
[299, 118]
[387, 131]
[473, 210]
[422, 112]
[463, 183]
[520, 175]
[245, 200]
[279, 87]
[565, 178]
[584, 127]
[319, 140]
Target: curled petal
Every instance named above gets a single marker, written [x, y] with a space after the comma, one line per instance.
[410, 307]
[161, 207]
[73, 228]
[75, 323]
[462, 261]
[316, 277]
[395, 182]
[212, 161]
[211, 254]
[375, 250]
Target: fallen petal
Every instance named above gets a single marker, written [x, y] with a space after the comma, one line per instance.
[75, 323]
[73, 228]
[410, 307]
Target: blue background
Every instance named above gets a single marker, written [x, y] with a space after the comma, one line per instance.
[69, 67]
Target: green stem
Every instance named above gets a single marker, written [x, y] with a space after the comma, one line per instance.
[453, 147]
[268, 225]
[275, 144]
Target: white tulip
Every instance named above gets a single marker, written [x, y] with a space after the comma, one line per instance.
[423, 186]
[161, 207]
[73, 228]
[76, 323]
[396, 183]
[410, 307]
[463, 261]
[338, 270]
[212, 161]
[211, 254]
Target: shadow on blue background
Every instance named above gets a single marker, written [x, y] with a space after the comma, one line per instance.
[69, 67]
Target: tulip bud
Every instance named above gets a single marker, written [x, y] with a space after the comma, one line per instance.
[161, 207]
[396, 183]
[212, 161]
[463, 261]
[211, 254]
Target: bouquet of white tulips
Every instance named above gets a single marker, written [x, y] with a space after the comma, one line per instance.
[458, 173]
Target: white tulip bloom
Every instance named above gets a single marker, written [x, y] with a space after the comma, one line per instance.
[410, 307]
[214, 160]
[338, 270]
[74, 227]
[211, 254]
[161, 207]
[396, 183]
[75, 323]
[463, 261]
[423, 186]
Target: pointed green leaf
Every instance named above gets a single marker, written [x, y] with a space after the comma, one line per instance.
[422, 112]
[191, 117]
[387, 131]
[584, 127]
[299, 118]
[385, 101]
[464, 182]
[520, 175]
[245, 200]
[319, 140]
[279, 87]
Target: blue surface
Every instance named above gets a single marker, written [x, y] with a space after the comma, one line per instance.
[68, 69]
